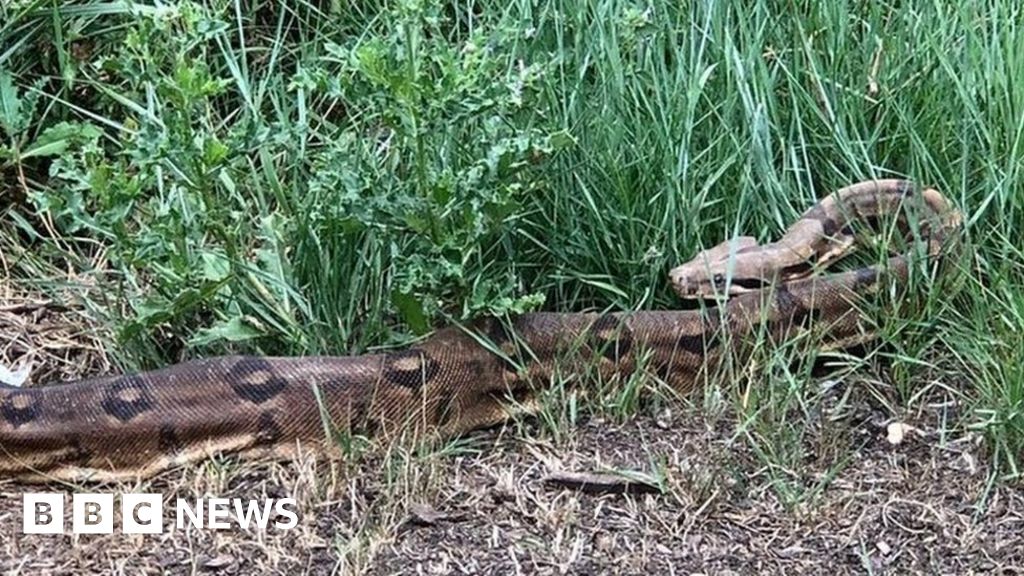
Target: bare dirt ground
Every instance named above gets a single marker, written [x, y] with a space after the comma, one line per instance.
[855, 502]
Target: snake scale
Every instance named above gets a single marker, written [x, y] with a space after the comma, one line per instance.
[467, 377]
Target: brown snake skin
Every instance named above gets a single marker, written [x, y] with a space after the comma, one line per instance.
[461, 378]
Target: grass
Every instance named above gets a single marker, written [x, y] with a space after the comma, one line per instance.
[327, 177]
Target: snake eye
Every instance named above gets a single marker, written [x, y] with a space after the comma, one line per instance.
[719, 280]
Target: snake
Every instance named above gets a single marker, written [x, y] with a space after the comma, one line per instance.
[481, 373]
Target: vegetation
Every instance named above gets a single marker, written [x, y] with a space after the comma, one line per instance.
[329, 177]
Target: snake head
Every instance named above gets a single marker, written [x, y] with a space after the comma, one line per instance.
[719, 271]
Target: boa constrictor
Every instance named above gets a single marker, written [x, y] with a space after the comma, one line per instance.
[462, 378]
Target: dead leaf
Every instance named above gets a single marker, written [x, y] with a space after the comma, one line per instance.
[426, 515]
[15, 376]
[896, 432]
[218, 562]
[605, 483]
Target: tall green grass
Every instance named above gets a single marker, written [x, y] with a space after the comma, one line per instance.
[329, 177]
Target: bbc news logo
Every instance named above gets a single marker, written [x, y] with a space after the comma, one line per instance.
[43, 513]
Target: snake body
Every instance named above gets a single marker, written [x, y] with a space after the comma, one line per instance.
[464, 377]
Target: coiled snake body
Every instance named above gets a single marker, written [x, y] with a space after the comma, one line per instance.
[462, 378]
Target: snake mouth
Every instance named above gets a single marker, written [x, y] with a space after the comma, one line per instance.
[743, 285]
[720, 289]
